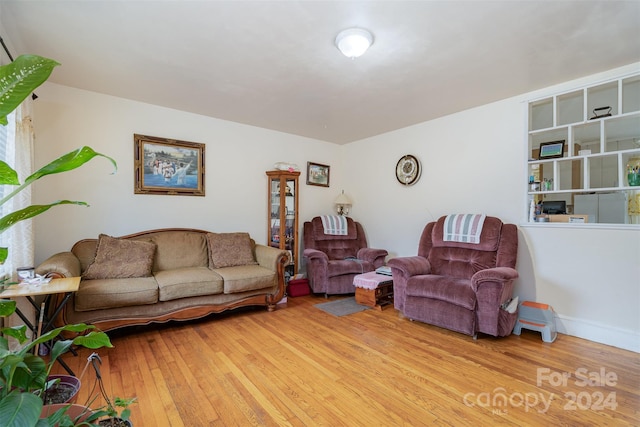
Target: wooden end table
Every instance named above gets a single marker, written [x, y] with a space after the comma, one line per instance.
[66, 285]
[373, 289]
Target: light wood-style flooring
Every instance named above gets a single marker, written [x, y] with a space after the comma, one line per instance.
[299, 366]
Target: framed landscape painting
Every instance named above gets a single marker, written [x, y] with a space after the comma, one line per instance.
[168, 166]
[317, 174]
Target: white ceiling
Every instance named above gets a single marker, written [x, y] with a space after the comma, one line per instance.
[273, 64]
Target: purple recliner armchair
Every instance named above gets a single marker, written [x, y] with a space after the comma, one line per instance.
[334, 260]
[459, 286]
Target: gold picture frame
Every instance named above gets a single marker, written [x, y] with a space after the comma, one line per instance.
[168, 166]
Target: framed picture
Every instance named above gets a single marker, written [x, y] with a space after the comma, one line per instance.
[317, 174]
[551, 150]
[167, 166]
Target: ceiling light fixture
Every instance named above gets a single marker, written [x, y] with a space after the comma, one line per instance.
[354, 42]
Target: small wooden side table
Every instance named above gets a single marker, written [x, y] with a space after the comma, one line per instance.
[66, 285]
[373, 289]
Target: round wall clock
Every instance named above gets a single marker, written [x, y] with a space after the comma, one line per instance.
[408, 170]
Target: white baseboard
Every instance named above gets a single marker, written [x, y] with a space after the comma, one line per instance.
[604, 334]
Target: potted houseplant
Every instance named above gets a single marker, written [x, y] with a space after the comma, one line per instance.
[115, 412]
[21, 372]
[60, 388]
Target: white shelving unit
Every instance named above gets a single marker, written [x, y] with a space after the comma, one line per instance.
[597, 149]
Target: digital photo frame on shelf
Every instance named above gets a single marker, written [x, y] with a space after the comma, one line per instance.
[551, 150]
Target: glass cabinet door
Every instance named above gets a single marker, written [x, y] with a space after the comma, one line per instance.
[283, 215]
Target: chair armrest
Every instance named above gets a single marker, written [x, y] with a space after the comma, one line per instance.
[493, 287]
[269, 257]
[317, 266]
[372, 255]
[410, 266]
[63, 264]
[315, 255]
[497, 274]
[401, 270]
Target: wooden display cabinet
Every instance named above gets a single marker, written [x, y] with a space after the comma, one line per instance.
[282, 225]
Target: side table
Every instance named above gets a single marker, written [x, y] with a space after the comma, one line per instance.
[373, 289]
[66, 285]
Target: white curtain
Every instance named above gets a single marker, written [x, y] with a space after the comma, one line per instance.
[19, 238]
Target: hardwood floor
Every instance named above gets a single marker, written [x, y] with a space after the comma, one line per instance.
[299, 366]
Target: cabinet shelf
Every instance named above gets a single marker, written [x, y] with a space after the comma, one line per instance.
[282, 222]
[597, 149]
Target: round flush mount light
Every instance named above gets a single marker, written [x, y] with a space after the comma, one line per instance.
[354, 42]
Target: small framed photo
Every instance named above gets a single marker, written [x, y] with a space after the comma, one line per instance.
[551, 150]
[317, 174]
[167, 166]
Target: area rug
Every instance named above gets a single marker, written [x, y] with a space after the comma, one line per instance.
[342, 307]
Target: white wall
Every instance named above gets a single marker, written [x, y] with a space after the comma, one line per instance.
[473, 161]
[236, 157]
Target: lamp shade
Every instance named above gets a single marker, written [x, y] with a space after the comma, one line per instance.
[354, 42]
[343, 204]
[342, 200]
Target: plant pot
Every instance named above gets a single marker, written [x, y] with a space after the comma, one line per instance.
[65, 391]
[115, 422]
[77, 413]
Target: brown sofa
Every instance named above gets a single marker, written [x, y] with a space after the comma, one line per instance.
[166, 274]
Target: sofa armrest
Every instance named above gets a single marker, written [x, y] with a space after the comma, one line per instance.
[63, 264]
[269, 257]
[372, 255]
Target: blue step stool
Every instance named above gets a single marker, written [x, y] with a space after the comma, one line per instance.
[537, 317]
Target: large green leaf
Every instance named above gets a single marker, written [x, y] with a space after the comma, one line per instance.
[30, 374]
[10, 364]
[77, 328]
[18, 333]
[31, 211]
[60, 418]
[19, 79]
[67, 162]
[8, 176]
[20, 409]
[7, 307]
[91, 340]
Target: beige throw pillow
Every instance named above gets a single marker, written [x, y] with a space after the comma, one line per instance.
[230, 249]
[121, 258]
